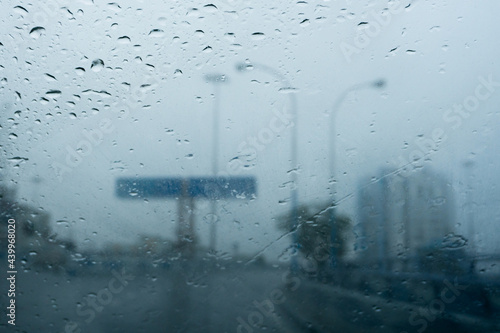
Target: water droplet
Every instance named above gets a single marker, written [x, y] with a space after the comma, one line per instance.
[156, 33]
[210, 8]
[124, 39]
[162, 20]
[453, 241]
[258, 36]
[288, 90]
[80, 70]
[36, 32]
[53, 93]
[50, 77]
[97, 65]
[17, 159]
[211, 218]
[20, 10]
[114, 6]
[438, 201]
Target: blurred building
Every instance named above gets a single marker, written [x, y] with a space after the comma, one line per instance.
[399, 216]
[34, 244]
[31, 223]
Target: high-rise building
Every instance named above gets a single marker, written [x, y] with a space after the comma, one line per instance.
[399, 216]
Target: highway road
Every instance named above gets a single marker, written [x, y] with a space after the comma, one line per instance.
[183, 299]
[204, 298]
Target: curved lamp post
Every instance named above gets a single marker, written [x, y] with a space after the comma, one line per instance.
[378, 84]
[468, 166]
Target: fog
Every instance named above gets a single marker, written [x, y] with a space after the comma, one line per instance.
[150, 108]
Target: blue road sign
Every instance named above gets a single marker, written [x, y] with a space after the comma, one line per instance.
[196, 187]
[148, 187]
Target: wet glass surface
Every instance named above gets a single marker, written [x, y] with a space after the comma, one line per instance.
[249, 166]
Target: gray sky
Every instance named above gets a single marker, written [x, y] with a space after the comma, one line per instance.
[431, 55]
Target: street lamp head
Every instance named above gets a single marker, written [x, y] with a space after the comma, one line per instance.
[379, 83]
[242, 67]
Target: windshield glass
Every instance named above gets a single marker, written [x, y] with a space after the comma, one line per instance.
[249, 166]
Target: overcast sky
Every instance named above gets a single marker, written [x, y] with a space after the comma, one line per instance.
[73, 69]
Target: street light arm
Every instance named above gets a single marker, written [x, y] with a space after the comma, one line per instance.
[334, 112]
[241, 67]
[338, 102]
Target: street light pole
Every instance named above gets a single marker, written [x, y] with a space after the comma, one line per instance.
[216, 80]
[293, 144]
[469, 214]
[378, 84]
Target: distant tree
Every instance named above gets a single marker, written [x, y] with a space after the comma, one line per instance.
[315, 229]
